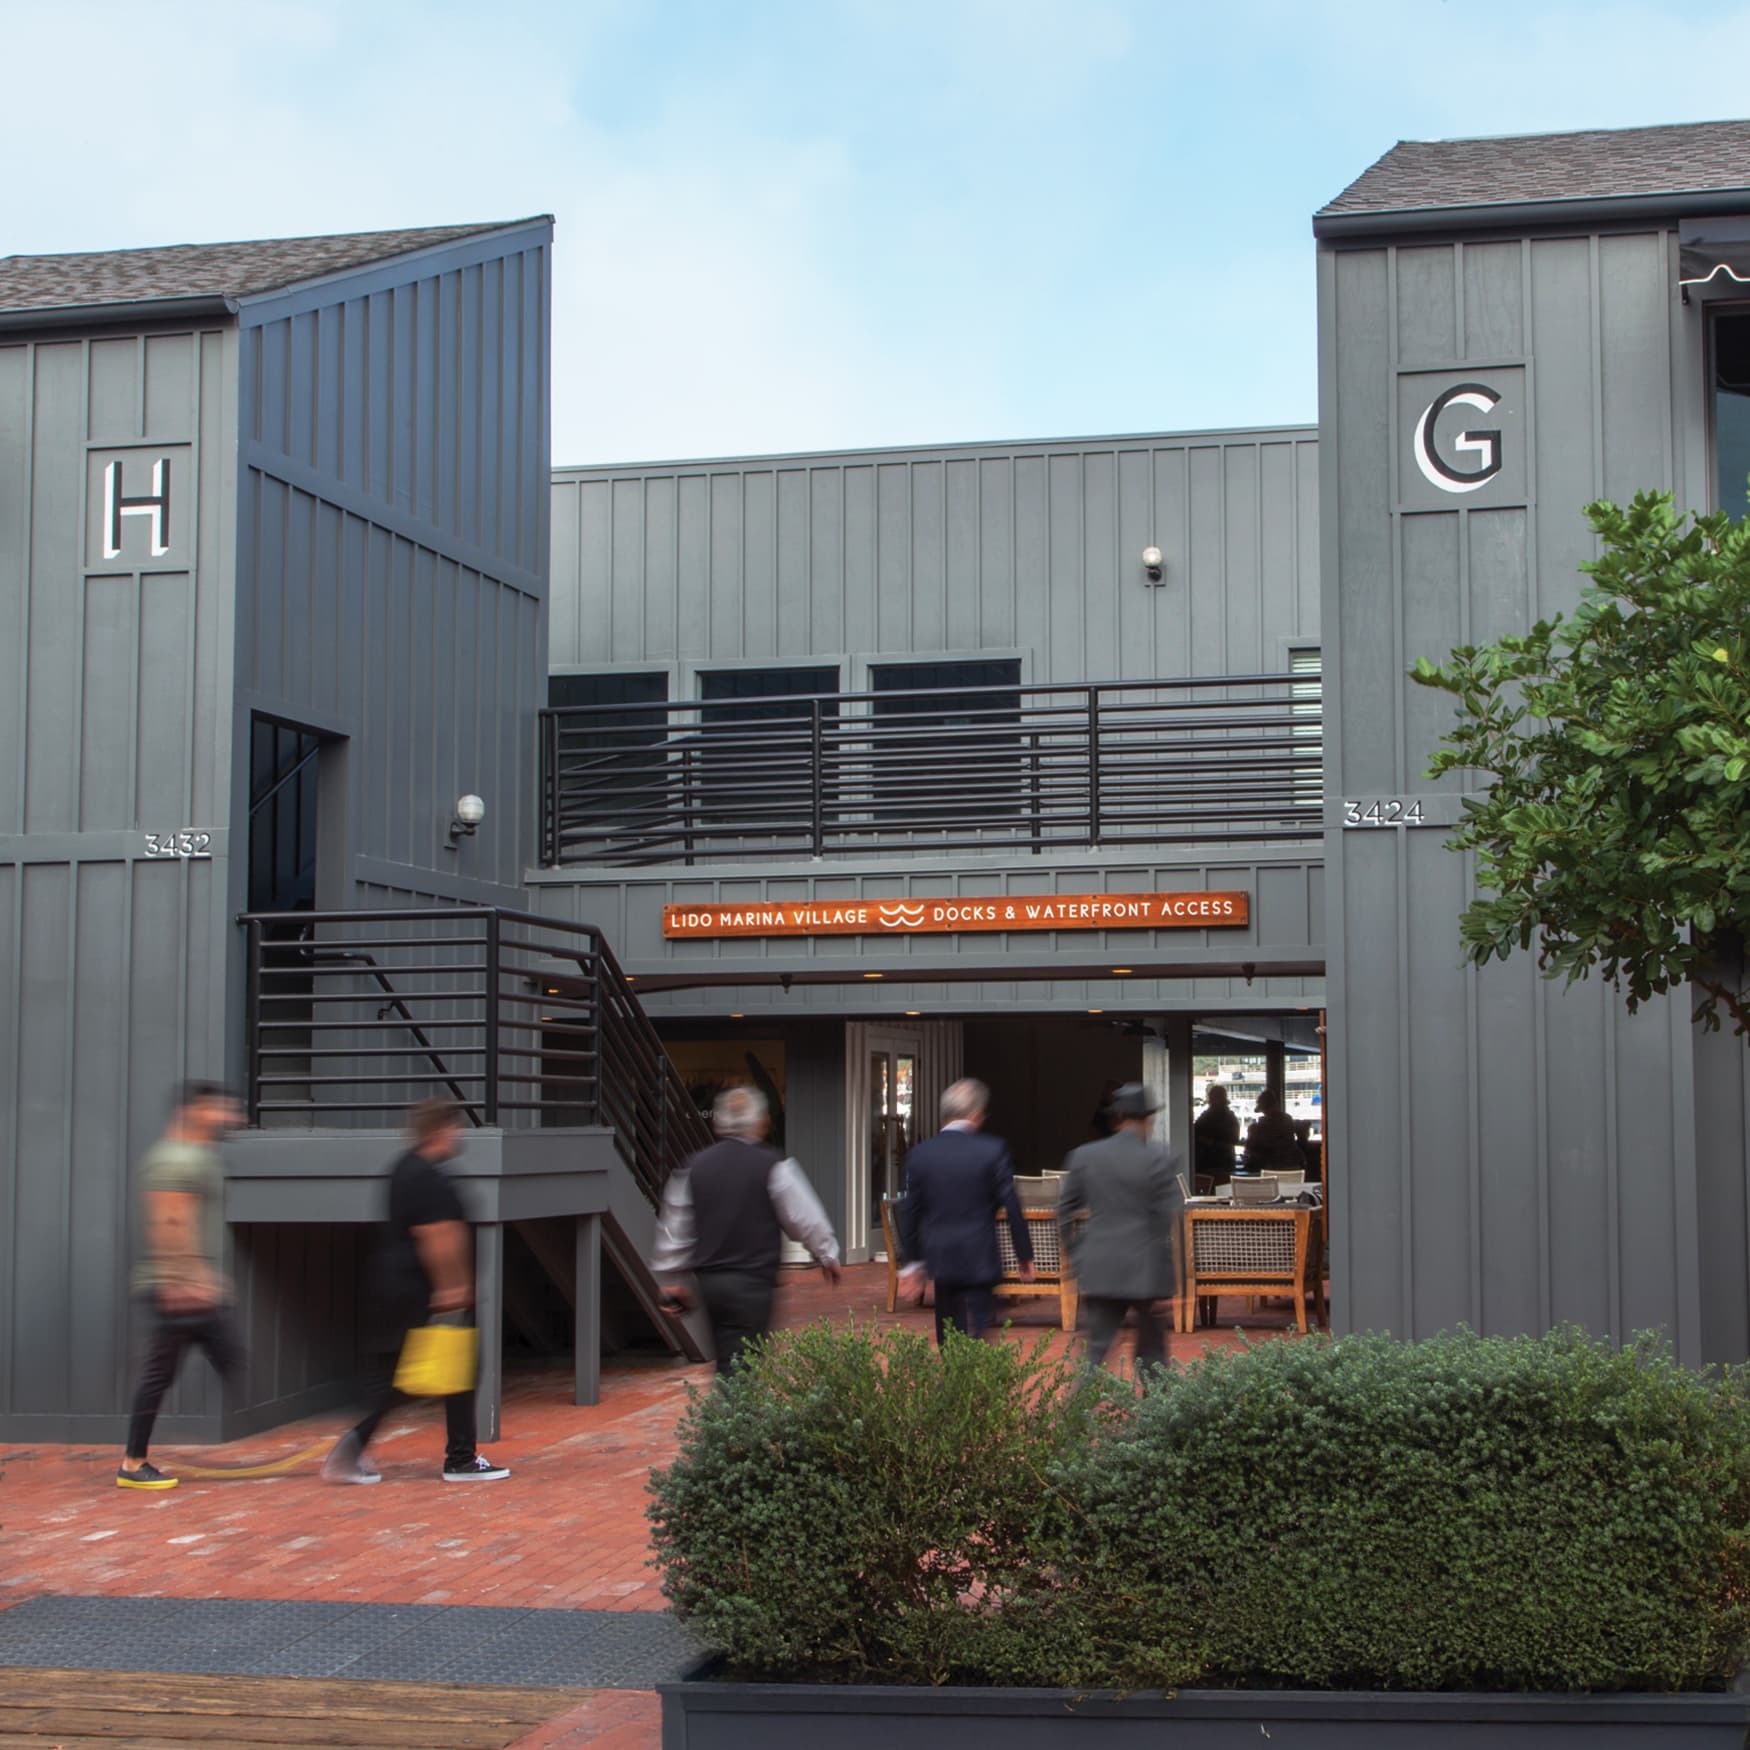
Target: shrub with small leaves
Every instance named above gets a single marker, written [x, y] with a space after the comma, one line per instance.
[864, 1508]
[1463, 1513]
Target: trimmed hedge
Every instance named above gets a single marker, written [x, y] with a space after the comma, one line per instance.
[840, 1501]
[1462, 1513]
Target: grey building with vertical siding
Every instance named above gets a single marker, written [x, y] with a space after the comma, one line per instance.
[916, 578]
[1505, 335]
[254, 500]
[288, 572]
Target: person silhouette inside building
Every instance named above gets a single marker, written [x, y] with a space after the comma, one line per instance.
[1270, 1138]
[1216, 1135]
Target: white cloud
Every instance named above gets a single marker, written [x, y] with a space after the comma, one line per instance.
[906, 220]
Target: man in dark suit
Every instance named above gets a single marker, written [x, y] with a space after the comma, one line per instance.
[1119, 1210]
[956, 1185]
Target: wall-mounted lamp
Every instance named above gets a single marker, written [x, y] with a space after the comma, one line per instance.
[1152, 561]
[470, 811]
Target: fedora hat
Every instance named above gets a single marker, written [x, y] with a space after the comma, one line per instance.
[1133, 1100]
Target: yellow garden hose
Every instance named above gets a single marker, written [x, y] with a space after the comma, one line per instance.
[221, 1472]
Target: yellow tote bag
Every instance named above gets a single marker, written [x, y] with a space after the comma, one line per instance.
[437, 1361]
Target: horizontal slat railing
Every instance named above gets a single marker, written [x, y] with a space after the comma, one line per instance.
[1239, 758]
[524, 1021]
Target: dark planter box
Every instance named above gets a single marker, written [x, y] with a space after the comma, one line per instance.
[706, 1715]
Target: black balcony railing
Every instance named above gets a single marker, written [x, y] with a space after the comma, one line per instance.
[1039, 768]
[524, 1021]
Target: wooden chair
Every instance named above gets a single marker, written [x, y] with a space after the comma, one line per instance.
[1052, 1273]
[1250, 1251]
[890, 1237]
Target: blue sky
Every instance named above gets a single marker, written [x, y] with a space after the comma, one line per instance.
[835, 224]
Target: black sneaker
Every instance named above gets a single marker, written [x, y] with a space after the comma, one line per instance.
[148, 1476]
[475, 1470]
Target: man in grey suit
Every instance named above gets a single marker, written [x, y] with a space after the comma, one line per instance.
[1126, 1188]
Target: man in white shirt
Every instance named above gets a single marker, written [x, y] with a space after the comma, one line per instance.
[724, 1214]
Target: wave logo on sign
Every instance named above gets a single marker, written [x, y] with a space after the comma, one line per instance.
[1486, 445]
[900, 916]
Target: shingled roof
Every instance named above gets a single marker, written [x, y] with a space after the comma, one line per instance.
[204, 270]
[1423, 175]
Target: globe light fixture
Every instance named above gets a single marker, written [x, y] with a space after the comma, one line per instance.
[470, 811]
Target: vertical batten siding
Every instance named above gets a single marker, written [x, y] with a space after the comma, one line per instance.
[961, 549]
[419, 388]
[114, 723]
[1504, 1152]
[392, 559]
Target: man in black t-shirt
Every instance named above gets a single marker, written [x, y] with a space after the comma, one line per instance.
[423, 1270]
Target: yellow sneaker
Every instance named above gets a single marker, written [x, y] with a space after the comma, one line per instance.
[148, 1476]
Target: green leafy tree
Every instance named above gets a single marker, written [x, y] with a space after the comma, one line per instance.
[1615, 829]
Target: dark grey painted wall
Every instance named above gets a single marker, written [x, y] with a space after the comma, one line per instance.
[114, 722]
[814, 1095]
[1023, 550]
[1025, 547]
[1046, 1078]
[1722, 1152]
[1503, 1152]
[357, 541]
[392, 550]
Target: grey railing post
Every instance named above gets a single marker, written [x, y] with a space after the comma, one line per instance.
[816, 791]
[1093, 765]
[1037, 822]
[598, 1024]
[491, 1096]
[550, 787]
[252, 1024]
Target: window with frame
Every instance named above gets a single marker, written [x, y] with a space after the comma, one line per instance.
[610, 753]
[752, 762]
[942, 735]
[1730, 362]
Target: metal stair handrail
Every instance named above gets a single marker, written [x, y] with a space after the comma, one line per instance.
[543, 1027]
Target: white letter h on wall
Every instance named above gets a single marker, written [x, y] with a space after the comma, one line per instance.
[156, 506]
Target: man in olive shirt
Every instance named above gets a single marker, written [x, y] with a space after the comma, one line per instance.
[181, 1278]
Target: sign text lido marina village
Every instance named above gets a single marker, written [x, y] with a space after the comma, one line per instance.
[899, 917]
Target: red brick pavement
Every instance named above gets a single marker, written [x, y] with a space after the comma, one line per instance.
[567, 1530]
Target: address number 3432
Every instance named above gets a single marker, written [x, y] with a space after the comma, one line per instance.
[179, 844]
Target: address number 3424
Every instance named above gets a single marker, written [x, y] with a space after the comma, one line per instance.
[1382, 811]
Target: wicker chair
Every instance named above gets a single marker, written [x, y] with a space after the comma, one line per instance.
[1234, 1251]
[1051, 1274]
[1051, 1269]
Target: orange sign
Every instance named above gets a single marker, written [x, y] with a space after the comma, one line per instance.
[917, 917]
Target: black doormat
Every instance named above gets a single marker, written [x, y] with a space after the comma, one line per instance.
[426, 1643]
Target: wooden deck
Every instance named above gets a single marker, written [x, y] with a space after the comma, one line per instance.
[77, 1710]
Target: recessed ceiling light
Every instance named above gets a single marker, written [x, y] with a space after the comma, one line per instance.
[914, 1011]
[1122, 971]
[874, 974]
[736, 1015]
[631, 978]
[1096, 1011]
